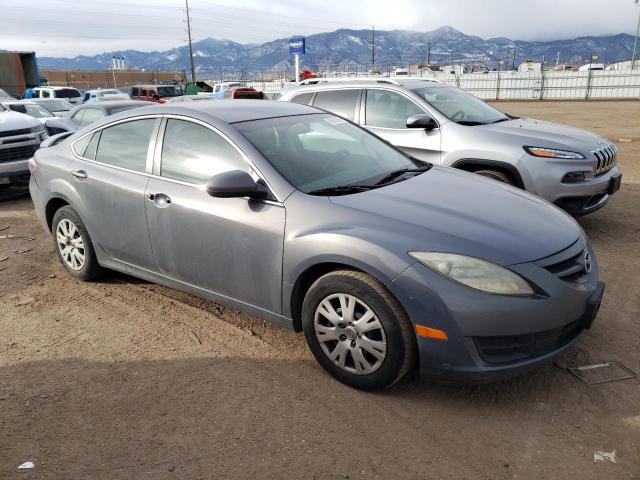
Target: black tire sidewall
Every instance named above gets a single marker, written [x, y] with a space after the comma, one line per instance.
[90, 268]
[388, 372]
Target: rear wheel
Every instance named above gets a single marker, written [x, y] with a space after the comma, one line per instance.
[73, 245]
[358, 331]
[496, 175]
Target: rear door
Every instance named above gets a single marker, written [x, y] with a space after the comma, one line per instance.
[385, 113]
[111, 174]
[229, 246]
[340, 102]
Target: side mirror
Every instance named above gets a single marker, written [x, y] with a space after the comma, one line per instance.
[421, 121]
[235, 184]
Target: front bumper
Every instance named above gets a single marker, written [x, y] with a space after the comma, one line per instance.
[493, 337]
[544, 178]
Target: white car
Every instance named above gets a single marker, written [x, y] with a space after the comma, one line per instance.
[72, 95]
[101, 94]
[20, 137]
[52, 123]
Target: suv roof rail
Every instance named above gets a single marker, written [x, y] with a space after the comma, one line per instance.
[315, 81]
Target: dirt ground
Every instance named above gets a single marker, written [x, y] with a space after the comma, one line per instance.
[123, 379]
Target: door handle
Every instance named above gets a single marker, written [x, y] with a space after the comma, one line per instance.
[79, 173]
[160, 199]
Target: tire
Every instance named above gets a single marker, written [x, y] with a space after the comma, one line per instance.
[68, 233]
[364, 356]
[496, 175]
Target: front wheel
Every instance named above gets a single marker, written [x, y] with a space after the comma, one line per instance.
[358, 331]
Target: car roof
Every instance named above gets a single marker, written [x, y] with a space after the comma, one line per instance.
[55, 87]
[106, 104]
[233, 111]
[391, 83]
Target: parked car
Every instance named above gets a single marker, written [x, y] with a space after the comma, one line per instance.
[59, 107]
[53, 124]
[20, 137]
[382, 262]
[70, 94]
[92, 112]
[572, 168]
[155, 93]
[102, 94]
[220, 88]
[236, 93]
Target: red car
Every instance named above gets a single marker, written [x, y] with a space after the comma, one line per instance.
[155, 93]
[243, 92]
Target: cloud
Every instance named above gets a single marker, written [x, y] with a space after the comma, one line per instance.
[72, 27]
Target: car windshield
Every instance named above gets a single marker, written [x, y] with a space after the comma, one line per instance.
[4, 94]
[32, 110]
[323, 152]
[460, 106]
[168, 91]
[66, 93]
[56, 105]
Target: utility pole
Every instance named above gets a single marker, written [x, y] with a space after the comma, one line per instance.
[193, 70]
[429, 52]
[373, 49]
[635, 43]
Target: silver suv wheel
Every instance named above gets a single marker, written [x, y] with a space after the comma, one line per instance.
[350, 334]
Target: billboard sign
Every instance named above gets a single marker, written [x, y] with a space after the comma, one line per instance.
[296, 46]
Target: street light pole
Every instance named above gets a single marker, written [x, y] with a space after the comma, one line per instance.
[635, 43]
[193, 70]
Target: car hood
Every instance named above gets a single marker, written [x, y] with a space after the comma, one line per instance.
[538, 133]
[449, 210]
[17, 121]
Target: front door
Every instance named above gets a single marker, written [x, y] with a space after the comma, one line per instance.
[229, 246]
[111, 179]
[386, 113]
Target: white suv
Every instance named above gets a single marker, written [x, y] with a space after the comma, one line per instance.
[72, 95]
[20, 137]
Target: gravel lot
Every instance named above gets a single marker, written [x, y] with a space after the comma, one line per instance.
[126, 379]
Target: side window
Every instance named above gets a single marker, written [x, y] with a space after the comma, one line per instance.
[126, 144]
[46, 94]
[86, 146]
[92, 115]
[340, 102]
[135, 91]
[387, 109]
[77, 117]
[303, 98]
[36, 94]
[193, 153]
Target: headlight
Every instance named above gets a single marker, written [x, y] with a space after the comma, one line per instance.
[552, 153]
[475, 273]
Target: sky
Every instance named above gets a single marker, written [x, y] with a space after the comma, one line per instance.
[86, 27]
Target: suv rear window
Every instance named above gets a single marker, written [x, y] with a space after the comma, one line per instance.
[66, 93]
[340, 102]
[303, 98]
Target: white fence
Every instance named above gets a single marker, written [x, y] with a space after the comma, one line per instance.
[511, 85]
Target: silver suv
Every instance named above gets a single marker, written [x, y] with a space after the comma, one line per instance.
[20, 137]
[444, 125]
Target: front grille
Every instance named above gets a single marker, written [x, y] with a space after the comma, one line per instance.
[569, 270]
[17, 153]
[22, 131]
[605, 158]
[517, 348]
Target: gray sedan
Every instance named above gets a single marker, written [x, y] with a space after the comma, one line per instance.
[302, 218]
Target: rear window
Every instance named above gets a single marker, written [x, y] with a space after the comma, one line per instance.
[340, 102]
[66, 93]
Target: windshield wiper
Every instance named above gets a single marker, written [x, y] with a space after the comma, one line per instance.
[341, 190]
[397, 173]
[500, 120]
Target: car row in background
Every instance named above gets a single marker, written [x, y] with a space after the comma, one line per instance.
[444, 125]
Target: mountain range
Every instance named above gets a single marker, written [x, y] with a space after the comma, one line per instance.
[350, 49]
